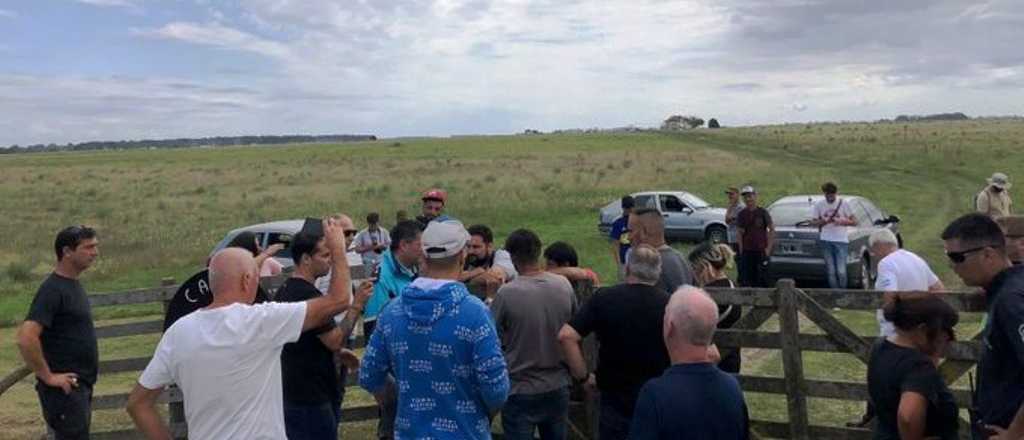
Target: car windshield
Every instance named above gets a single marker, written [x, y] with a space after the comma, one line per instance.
[790, 214]
[694, 201]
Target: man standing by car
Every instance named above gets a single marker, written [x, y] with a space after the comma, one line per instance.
[732, 212]
[976, 248]
[832, 216]
[619, 236]
[755, 233]
[994, 201]
[899, 270]
[58, 340]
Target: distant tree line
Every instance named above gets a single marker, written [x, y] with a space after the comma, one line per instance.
[957, 116]
[219, 141]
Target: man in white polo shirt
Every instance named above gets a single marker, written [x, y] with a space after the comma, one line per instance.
[226, 357]
[899, 270]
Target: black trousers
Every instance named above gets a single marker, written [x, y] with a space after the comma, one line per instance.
[751, 268]
[67, 415]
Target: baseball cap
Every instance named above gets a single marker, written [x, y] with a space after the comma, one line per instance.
[747, 190]
[444, 239]
[732, 190]
[435, 194]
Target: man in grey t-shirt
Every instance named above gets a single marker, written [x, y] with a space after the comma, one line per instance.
[528, 311]
[646, 226]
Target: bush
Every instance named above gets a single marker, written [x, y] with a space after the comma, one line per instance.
[18, 271]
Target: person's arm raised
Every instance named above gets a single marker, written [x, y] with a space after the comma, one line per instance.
[339, 292]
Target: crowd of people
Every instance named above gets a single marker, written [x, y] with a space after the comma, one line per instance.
[459, 330]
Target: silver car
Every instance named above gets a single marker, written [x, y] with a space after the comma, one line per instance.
[687, 217]
[268, 234]
[796, 252]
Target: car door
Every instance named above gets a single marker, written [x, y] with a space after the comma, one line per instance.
[679, 219]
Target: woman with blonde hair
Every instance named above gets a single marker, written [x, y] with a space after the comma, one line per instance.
[709, 262]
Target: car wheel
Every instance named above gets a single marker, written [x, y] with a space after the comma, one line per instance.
[716, 234]
[866, 278]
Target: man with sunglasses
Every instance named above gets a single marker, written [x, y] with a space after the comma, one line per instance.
[58, 340]
[976, 248]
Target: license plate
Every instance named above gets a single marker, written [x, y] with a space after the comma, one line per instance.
[789, 249]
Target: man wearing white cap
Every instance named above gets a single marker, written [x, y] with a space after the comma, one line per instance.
[440, 344]
[994, 201]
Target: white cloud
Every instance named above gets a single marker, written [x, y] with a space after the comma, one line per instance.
[219, 36]
[110, 3]
[4, 13]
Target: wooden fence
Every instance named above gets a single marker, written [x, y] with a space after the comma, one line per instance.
[759, 305]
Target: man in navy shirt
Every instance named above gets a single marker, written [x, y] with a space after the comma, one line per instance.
[693, 399]
[619, 236]
[976, 248]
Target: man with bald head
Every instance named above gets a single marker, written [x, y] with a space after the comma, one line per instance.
[647, 226]
[226, 357]
[693, 399]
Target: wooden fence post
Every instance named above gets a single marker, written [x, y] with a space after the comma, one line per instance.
[176, 410]
[792, 360]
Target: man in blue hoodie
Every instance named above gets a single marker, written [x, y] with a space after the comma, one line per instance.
[440, 344]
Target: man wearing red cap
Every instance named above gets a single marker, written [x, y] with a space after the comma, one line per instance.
[433, 207]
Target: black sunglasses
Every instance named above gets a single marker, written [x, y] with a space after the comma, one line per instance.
[961, 256]
[351, 232]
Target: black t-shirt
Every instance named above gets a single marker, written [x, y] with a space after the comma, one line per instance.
[894, 370]
[754, 223]
[1001, 366]
[307, 365]
[69, 338]
[627, 319]
[727, 314]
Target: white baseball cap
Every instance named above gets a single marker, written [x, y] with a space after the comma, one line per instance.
[747, 190]
[444, 239]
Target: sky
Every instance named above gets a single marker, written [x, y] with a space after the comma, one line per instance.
[81, 70]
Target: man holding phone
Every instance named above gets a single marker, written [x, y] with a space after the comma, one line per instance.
[832, 215]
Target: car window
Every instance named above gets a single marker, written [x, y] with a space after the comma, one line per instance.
[873, 211]
[860, 213]
[670, 203]
[789, 214]
[645, 201]
[694, 201]
[283, 238]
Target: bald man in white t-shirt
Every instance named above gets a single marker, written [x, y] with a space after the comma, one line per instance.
[899, 270]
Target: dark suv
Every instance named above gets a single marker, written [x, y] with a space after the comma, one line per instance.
[796, 252]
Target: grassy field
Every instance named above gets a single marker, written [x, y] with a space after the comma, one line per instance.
[159, 212]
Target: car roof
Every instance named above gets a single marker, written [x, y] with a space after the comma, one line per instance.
[285, 226]
[645, 193]
[806, 198]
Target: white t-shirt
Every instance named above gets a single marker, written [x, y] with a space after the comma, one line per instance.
[503, 260]
[832, 232]
[367, 237]
[227, 362]
[902, 271]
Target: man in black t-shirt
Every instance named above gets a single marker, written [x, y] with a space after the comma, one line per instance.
[627, 319]
[58, 340]
[976, 248]
[755, 233]
[311, 386]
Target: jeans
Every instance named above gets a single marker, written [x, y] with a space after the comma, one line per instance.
[67, 416]
[751, 268]
[835, 254]
[614, 420]
[313, 422]
[545, 412]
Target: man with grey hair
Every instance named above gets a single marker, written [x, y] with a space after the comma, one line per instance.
[693, 399]
[898, 270]
[627, 321]
[994, 201]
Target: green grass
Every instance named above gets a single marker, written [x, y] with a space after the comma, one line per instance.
[160, 212]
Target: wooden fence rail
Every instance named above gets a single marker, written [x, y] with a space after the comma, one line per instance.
[759, 305]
